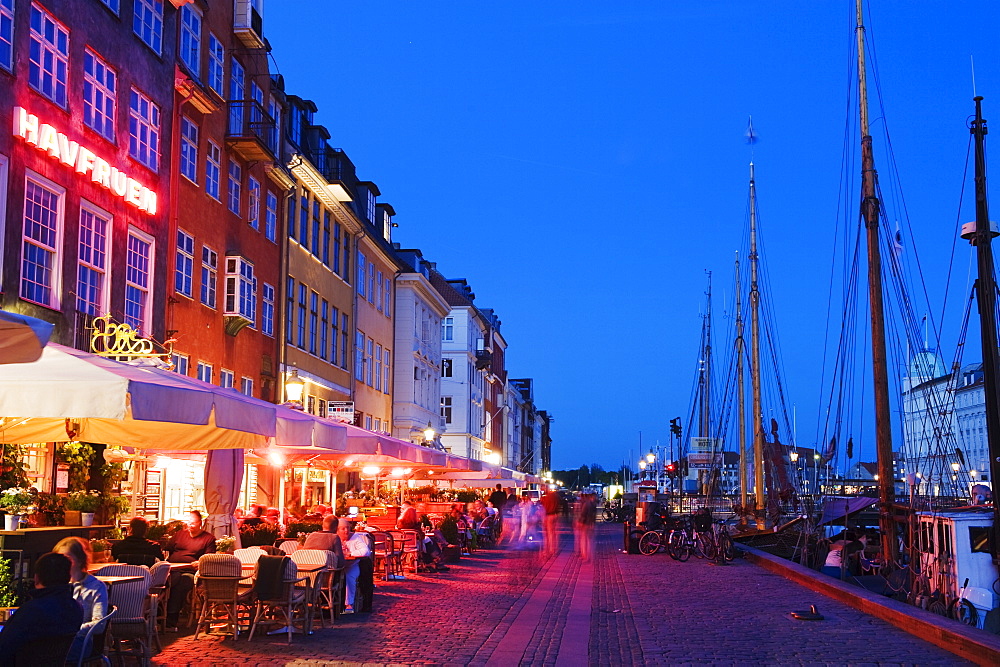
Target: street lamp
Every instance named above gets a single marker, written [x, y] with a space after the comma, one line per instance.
[650, 457]
[294, 386]
[429, 433]
[793, 456]
[955, 466]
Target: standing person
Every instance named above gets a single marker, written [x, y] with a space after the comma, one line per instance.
[51, 611]
[550, 502]
[88, 590]
[498, 498]
[583, 525]
[529, 519]
[511, 518]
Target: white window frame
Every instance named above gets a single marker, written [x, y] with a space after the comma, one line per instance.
[144, 323]
[227, 378]
[241, 288]
[181, 363]
[216, 65]
[246, 386]
[359, 356]
[99, 95]
[387, 297]
[448, 330]
[50, 76]
[7, 34]
[184, 264]
[446, 409]
[189, 149]
[208, 294]
[267, 310]
[369, 362]
[253, 203]
[378, 367]
[237, 93]
[271, 218]
[234, 187]
[213, 169]
[102, 303]
[144, 130]
[205, 372]
[386, 370]
[189, 50]
[147, 23]
[362, 274]
[54, 250]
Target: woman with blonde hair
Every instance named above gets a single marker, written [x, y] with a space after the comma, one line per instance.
[88, 590]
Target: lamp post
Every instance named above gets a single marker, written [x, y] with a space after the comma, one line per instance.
[651, 461]
[429, 434]
[294, 386]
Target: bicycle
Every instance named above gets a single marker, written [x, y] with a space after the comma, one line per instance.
[680, 541]
[716, 542]
[654, 539]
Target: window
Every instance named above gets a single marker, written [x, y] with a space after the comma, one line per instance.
[42, 241]
[359, 356]
[184, 264]
[345, 339]
[274, 111]
[112, 5]
[347, 258]
[362, 281]
[138, 280]
[446, 409]
[237, 88]
[271, 218]
[148, 22]
[180, 362]
[378, 368]
[385, 370]
[371, 283]
[315, 228]
[216, 64]
[189, 149]
[387, 309]
[213, 169]
[7, 33]
[304, 220]
[253, 203]
[144, 130]
[290, 217]
[209, 275]
[447, 367]
[301, 337]
[313, 321]
[378, 288]
[324, 329]
[336, 248]
[246, 386]
[226, 379]
[378, 425]
[241, 289]
[289, 309]
[235, 186]
[334, 318]
[99, 86]
[190, 51]
[49, 58]
[448, 329]
[370, 363]
[267, 311]
[326, 238]
[91, 273]
[204, 371]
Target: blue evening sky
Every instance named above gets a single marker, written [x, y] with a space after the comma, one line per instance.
[583, 164]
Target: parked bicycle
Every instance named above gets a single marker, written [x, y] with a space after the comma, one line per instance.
[658, 536]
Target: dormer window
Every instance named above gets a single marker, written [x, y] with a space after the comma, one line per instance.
[370, 210]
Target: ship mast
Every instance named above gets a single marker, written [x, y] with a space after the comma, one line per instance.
[986, 289]
[741, 390]
[870, 212]
[758, 416]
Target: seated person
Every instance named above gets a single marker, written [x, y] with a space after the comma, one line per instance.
[357, 548]
[191, 543]
[136, 544]
[327, 539]
[253, 516]
[50, 613]
[88, 590]
[408, 519]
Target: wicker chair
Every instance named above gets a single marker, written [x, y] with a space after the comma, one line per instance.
[159, 575]
[277, 593]
[319, 580]
[134, 625]
[218, 584]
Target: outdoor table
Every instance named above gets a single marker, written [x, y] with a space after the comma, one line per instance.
[112, 580]
[94, 568]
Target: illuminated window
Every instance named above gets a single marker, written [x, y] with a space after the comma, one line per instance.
[91, 275]
[241, 289]
[6, 33]
[190, 49]
[226, 379]
[99, 85]
[42, 241]
[35, 458]
[147, 23]
[189, 149]
[204, 371]
[138, 280]
[267, 311]
[48, 66]
[209, 275]
[235, 189]
[213, 170]
[184, 263]
[271, 218]
[253, 203]
[359, 356]
[216, 64]
[144, 130]
[246, 386]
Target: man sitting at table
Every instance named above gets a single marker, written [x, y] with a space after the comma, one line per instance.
[50, 613]
[136, 549]
[327, 539]
[186, 546]
[357, 550]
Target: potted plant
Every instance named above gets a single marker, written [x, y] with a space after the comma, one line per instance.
[101, 550]
[79, 504]
[225, 544]
[15, 501]
[49, 510]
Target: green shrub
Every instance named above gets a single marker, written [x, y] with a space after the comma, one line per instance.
[305, 527]
[258, 536]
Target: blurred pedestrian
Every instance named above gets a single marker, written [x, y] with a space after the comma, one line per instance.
[550, 502]
[583, 525]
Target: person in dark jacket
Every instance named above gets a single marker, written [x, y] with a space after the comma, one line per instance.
[51, 611]
[136, 543]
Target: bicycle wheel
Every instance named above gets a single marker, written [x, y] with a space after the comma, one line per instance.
[685, 548]
[706, 545]
[964, 612]
[726, 546]
[673, 544]
[649, 543]
[609, 515]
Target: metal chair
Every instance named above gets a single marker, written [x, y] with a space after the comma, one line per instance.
[276, 590]
[398, 542]
[159, 575]
[218, 582]
[410, 551]
[134, 623]
[382, 552]
[93, 642]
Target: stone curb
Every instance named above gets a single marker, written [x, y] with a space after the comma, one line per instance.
[974, 645]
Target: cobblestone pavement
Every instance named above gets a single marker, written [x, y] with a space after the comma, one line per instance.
[509, 607]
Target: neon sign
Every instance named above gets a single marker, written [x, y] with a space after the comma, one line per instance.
[45, 138]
